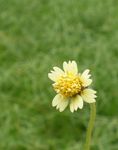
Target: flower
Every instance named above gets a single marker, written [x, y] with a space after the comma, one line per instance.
[71, 87]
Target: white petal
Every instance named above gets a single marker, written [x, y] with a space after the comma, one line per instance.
[56, 100]
[57, 69]
[88, 95]
[76, 103]
[85, 78]
[70, 67]
[60, 102]
[54, 75]
[63, 105]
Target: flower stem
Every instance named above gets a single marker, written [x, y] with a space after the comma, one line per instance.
[90, 126]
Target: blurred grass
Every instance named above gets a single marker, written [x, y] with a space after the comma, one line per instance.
[36, 35]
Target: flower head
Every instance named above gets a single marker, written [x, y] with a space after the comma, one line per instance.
[71, 87]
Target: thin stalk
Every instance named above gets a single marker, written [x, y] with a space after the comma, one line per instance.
[90, 126]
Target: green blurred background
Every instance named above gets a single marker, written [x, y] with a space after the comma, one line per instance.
[36, 35]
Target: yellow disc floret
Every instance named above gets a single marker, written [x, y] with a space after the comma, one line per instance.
[68, 85]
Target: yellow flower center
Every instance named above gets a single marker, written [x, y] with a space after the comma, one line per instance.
[68, 85]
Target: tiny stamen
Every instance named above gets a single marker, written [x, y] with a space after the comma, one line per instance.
[68, 85]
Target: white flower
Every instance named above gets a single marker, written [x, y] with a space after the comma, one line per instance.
[71, 87]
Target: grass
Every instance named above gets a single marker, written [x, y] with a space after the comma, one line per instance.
[36, 35]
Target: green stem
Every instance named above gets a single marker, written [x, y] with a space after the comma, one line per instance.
[90, 126]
